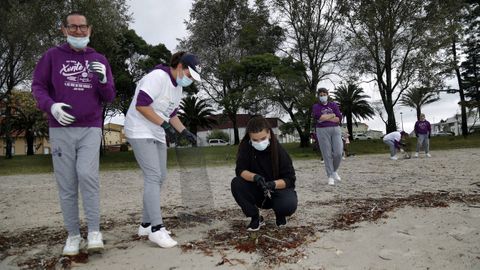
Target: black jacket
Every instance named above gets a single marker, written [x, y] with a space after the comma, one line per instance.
[260, 162]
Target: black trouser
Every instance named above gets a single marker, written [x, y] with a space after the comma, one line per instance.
[250, 197]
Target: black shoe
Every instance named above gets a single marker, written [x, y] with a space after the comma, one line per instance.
[281, 222]
[255, 224]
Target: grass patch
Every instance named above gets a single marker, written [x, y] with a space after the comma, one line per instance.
[221, 155]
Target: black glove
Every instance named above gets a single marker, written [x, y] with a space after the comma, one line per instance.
[416, 135]
[259, 180]
[189, 136]
[270, 185]
[267, 187]
[169, 131]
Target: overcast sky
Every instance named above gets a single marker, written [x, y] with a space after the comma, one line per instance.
[163, 22]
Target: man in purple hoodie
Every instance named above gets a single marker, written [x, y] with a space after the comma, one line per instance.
[70, 84]
[423, 131]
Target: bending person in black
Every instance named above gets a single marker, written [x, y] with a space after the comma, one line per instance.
[265, 175]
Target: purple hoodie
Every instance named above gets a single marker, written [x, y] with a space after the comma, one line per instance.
[62, 75]
[423, 127]
[319, 109]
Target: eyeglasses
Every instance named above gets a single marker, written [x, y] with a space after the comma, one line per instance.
[73, 27]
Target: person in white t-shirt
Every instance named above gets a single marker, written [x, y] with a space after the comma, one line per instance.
[151, 118]
[394, 141]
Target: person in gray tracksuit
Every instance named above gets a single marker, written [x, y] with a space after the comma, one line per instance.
[423, 131]
[329, 134]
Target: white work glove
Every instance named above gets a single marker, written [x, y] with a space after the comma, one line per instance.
[100, 69]
[401, 150]
[61, 115]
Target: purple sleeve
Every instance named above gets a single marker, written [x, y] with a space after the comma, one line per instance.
[174, 113]
[416, 128]
[107, 90]
[429, 128]
[41, 84]
[396, 144]
[336, 110]
[143, 99]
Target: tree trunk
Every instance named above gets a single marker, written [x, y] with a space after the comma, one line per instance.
[460, 90]
[391, 122]
[8, 138]
[349, 126]
[233, 118]
[419, 111]
[304, 139]
[30, 137]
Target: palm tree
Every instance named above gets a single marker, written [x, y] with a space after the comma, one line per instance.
[353, 104]
[417, 97]
[196, 113]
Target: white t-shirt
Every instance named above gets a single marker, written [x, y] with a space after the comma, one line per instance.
[393, 136]
[166, 98]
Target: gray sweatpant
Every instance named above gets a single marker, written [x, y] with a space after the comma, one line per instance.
[393, 149]
[424, 141]
[151, 156]
[75, 156]
[331, 146]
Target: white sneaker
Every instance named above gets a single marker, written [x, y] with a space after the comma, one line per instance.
[95, 242]
[416, 154]
[72, 246]
[331, 181]
[428, 155]
[144, 231]
[394, 158]
[322, 161]
[336, 176]
[162, 238]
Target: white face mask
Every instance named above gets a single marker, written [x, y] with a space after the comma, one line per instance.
[323, 99]
[260, 146]
[78, 42]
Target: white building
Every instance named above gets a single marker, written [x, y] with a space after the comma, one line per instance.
[454, 123]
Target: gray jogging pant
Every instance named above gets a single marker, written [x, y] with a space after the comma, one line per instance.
[424, 141]
[75, 156]
[151, 156]
[331, 146]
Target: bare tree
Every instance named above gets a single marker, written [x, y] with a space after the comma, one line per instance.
[313, 41]
[393, 42]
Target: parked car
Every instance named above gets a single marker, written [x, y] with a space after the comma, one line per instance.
[361, 136]
[217, 142]
[443, 133]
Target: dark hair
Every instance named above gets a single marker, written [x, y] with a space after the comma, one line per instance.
[322, 90]
[176, 57]
[257, 124]
[79, 13]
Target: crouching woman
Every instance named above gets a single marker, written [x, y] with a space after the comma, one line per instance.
[265, 177]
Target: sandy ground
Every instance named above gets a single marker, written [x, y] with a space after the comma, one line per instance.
[443, 233]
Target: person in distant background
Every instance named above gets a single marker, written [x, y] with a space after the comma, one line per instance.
[329, 134]
[423, 130]
[70, 83]
[395, 141]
